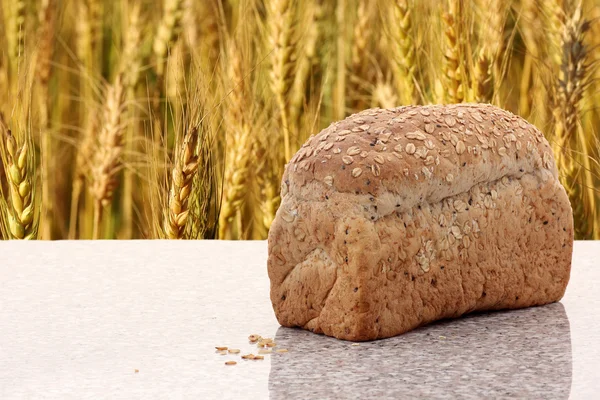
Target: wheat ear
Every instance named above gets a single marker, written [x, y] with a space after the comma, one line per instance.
[530, 28]
[453, 66]
[182, 177]
[482, 78]
[107, 160]
[83, 27]
[494, 38]
[384, 96]
[359, 59]
[306, 61]
[130, 63]
[15, 32]
[282, 47]
[209, 45]
[403, 51]
[18, 164]
[239, 145]
[168, 29]
[569, 142]
[554, 17]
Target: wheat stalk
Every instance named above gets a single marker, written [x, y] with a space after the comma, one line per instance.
[47, 16]
[107, 160]
[339, 94]
[182, 177]
[282, 46]
[129, 68]
[403, 50]
[270, 196]
[569, 91]
[18, 164]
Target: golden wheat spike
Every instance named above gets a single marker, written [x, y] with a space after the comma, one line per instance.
[15, 32]
[168, 29]
[20, 208]
[453, 65]
[384, 96]
[239, 144]
[130, 63]
[182, 177]
[554, 18]
[570, 144]
[107, 160]
[495, 43]
[306, 61]
[403, 50]
[359, 56]
[281, 45]
[482, 78]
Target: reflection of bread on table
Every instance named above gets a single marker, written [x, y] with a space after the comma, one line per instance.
[516, 354]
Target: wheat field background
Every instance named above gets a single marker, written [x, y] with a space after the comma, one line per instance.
[175, 118]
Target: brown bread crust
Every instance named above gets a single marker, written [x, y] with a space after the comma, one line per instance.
[391, 219]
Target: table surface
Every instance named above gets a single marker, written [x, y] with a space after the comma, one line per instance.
[141, 319]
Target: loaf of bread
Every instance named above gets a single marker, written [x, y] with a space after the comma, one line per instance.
[392, 219]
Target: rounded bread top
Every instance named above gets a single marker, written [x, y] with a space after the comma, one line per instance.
[417, 153]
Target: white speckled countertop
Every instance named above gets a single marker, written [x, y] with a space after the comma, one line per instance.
[79, 318]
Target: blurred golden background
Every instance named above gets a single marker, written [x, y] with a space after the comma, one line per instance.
[175, 118]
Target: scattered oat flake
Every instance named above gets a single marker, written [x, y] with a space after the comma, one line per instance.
[136, 370]
[234, 351]
[230, 362]
[221, 348]
[281, 351]
[355, 344]
[442, 337]
[259, 358]
[254, 338]
[271, 344]
[265, 351]
[248, 356]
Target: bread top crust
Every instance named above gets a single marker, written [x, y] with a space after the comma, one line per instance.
[415, 154]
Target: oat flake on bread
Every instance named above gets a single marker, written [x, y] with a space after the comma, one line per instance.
[392, 219]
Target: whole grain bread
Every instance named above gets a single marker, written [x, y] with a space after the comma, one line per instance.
[392, 219]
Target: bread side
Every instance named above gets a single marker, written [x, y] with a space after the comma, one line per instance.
[361, 265]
